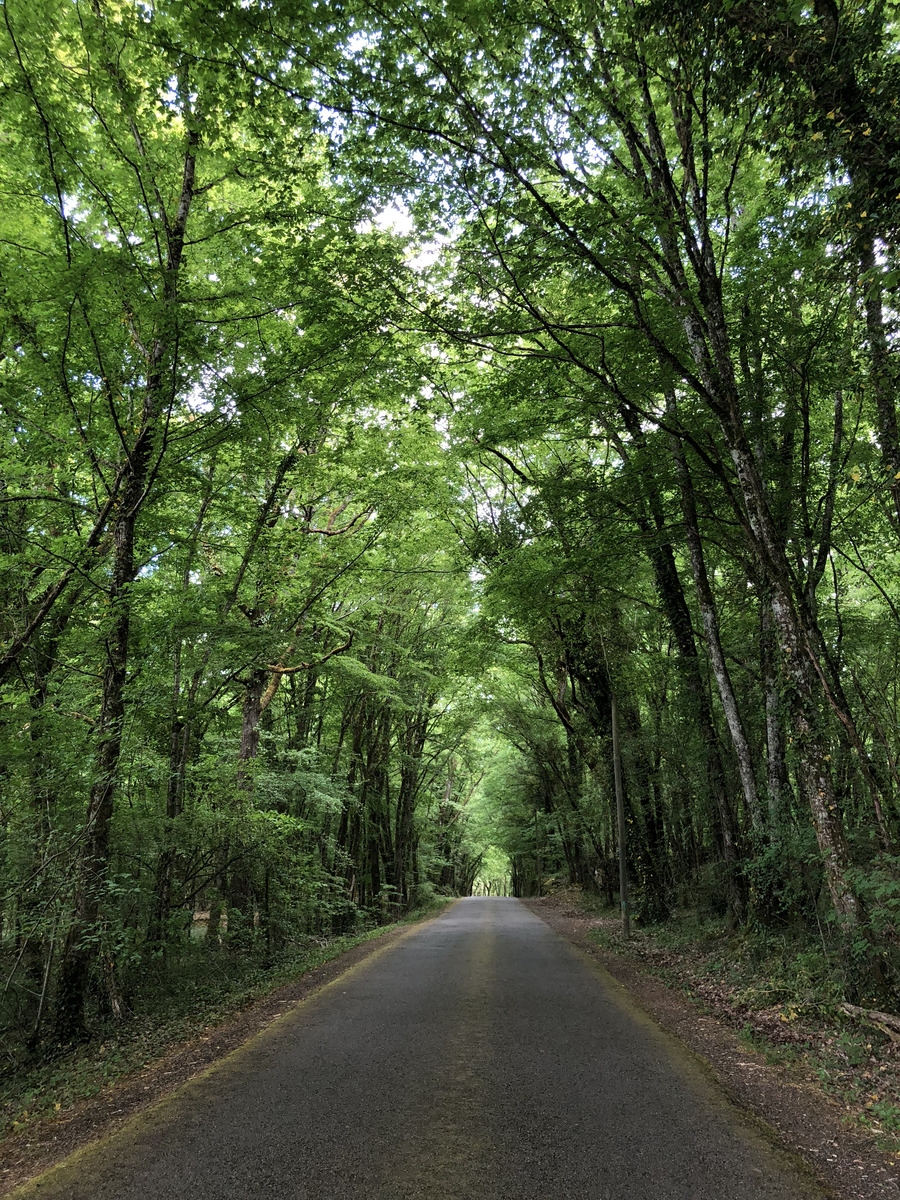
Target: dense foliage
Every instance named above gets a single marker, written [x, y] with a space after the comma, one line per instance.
[383, 389]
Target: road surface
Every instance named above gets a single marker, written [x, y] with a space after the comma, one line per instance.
[480, 1057]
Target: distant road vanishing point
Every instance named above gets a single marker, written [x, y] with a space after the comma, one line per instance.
[480, 1057]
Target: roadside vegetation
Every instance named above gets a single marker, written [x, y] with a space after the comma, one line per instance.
[781, 993]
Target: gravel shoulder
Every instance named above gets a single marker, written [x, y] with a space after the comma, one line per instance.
[786, 1098]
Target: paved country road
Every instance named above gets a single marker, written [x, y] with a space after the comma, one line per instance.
[480, 1057]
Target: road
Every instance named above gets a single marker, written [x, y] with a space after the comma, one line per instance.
[480, 1057]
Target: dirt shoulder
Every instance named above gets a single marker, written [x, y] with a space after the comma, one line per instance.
[787, 1098]
[39, 1146]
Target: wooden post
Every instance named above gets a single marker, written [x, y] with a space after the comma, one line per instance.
[620, 817]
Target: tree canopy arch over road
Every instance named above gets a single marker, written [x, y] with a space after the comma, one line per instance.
[385, 387]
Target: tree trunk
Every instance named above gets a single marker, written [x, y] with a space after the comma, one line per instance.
[710, 618]
[803, 688]
[671, 593]
[80, 947]
[707, 334]
[776, 770]
[180, 732]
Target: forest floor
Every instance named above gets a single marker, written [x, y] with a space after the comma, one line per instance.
[57, 1106]
[829, 1087]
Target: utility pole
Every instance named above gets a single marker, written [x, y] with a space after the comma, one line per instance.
[620, 817]
[538, 849]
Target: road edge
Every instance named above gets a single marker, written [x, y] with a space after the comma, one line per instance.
[31, 1153]
[842, 1160]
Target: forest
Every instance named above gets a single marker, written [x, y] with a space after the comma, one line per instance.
[386, 392]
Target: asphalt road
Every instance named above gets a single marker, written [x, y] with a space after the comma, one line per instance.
[480, 1057]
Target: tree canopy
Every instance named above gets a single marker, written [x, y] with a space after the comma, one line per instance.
[384, 390]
